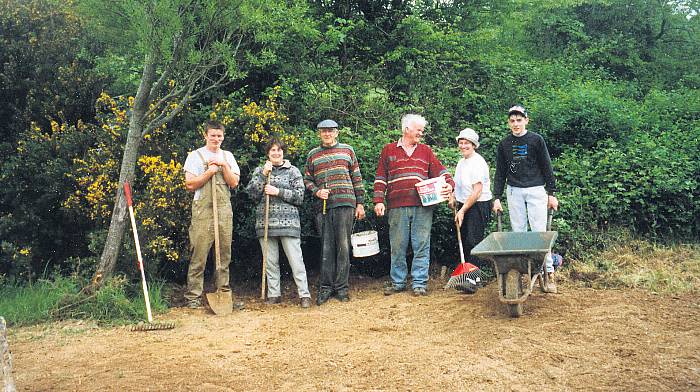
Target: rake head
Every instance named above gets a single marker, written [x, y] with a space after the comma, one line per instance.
[466, 277]
[145, 327]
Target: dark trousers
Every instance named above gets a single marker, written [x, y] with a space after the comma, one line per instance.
[335, 228]
[474, 226]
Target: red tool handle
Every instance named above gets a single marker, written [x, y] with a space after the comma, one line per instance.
[127, 193]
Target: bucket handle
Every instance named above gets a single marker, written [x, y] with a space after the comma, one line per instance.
[354, 221]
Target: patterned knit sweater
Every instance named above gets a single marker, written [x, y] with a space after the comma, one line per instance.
[335, 168]
[397, 174]
[284, 214]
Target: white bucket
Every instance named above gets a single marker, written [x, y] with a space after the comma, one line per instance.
[429, 191]
[364, 243]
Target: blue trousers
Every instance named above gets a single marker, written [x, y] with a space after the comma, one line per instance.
[414, 224]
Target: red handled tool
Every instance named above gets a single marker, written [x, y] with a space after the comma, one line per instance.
[151, 326]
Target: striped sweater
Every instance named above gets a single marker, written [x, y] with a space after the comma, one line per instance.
[335, 168]
[397, 174]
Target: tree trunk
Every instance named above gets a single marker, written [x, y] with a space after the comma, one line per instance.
[113, 243]
[6, 359]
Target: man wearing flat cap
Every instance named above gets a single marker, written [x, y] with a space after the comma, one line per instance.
[332, 175]
[523, 163]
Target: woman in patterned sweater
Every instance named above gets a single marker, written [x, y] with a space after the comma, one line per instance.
[286, 191]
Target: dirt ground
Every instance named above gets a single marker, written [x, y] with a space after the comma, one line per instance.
[579, 339]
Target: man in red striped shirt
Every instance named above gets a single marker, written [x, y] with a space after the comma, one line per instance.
[401, 166]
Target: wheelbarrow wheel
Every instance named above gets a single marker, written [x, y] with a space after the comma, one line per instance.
[513, 290]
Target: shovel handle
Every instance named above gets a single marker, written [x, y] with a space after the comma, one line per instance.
[324, 200]
[499, 224]
[215, 209]
[127, 193]
[265, 246]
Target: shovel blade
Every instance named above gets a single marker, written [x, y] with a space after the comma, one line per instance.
[220, 302]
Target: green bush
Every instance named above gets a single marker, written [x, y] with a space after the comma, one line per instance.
[649, 184]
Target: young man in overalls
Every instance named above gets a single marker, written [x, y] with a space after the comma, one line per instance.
[204, 168]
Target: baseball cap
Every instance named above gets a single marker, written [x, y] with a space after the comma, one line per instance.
[327, 124]
[469, 134]
[517, 109]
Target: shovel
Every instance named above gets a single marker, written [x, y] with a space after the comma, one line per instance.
[219, 301]
[466, 277]
[264, 259]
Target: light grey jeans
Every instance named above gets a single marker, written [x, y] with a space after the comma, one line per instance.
[292, 248]
[529, 205]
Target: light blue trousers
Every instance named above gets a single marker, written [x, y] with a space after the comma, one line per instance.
[292, 248]
[529, 205]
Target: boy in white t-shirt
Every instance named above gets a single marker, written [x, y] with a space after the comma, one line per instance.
[472, 191]
[205, 168]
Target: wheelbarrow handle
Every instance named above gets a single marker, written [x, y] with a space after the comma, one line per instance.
[550, 215]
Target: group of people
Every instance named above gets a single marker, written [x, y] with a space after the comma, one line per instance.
[332, 175]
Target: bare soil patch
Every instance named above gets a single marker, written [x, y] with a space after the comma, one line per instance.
[580, 339]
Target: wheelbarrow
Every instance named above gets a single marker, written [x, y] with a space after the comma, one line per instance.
[518, 259]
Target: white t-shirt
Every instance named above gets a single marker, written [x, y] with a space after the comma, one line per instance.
[469, 172]
[194, 164]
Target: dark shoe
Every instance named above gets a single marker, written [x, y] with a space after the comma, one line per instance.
[420, 292]
[195, 304]
[305, 302]
[342, 296]
[273, 300]
[390, 289]
[323, 297]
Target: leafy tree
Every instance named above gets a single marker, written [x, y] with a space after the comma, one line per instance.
[187, 50]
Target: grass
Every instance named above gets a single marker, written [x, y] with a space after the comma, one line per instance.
[634, 263]
[26, 305]
[118, 302]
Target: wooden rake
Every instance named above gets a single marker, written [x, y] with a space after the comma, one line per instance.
[150, 325]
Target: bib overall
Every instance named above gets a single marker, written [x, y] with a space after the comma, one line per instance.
[201, 234]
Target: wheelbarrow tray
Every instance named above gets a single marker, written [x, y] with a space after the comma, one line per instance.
[524, 253]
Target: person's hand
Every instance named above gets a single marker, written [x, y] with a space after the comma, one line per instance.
[379, 209]
[267, 168]
[323, 194]
[459, 217]
[213, 168]
[446, 190]
[360, 212]
[497, 206]
[217, 160]
[553, 203]
[271, 190]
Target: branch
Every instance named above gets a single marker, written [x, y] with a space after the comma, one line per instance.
[177, 47]
[165, 117]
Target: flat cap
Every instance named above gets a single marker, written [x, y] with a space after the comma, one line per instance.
[327, 124]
